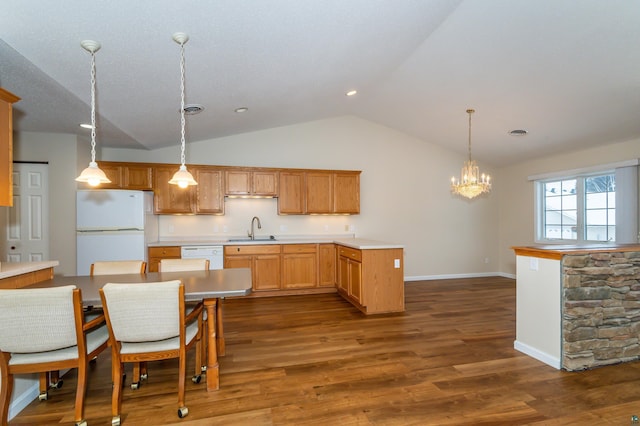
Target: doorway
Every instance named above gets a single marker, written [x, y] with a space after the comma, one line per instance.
[26, 224]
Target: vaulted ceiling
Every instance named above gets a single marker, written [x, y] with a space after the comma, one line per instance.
[566, 71]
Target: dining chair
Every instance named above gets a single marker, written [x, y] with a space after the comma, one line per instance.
[192, 264]
[181, 265]
[148, 322]
[115, 267]
[43, 330]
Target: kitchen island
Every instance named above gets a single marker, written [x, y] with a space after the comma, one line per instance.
[578, 307]
[22, 274]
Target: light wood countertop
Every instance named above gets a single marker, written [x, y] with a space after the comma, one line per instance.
[552, 251]
[11, 269]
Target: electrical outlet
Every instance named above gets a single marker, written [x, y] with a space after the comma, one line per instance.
[486, 260]
[533, 263]
[225, 228]
[396, 263]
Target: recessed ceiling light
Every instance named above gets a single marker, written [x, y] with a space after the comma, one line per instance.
[351, 93]
[241, 109]
[518, 132]
[86, 126]
[193, 109]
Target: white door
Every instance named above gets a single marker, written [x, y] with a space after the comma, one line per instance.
[26, 224]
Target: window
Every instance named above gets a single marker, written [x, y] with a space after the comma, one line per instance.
[578, 209]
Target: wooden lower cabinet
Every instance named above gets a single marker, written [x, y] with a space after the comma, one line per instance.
[264, 261]
[326, 265]
[371, 280]
[28, 278]
[299, 265]
[161, 252]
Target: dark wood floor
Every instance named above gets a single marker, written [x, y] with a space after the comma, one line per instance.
[316, 360]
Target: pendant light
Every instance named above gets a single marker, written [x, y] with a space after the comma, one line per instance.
[182, 177]
[92, 174]
[471, 183]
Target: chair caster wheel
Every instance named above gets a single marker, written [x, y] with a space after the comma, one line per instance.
[43, 396]
[203, 368]
[196, 379]
[115, 421]
[144, 376]
[182, 412]
[56, 385]
[81, 423]
[135, 386]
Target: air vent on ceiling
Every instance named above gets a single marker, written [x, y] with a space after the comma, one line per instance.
[192, 109]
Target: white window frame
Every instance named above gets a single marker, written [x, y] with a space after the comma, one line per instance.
[627, 221]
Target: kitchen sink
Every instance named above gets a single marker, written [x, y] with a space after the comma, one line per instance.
[247, 239]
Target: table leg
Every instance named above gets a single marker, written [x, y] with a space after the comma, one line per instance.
[213, 368]
[220, 331]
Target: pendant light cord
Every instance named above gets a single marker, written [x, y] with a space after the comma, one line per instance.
[182, 121]
[470, 111]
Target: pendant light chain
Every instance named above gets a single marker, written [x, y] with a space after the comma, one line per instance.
[470, 111]
[93, 107]
[182, 121]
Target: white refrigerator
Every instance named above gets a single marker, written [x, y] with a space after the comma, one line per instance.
[113, 225]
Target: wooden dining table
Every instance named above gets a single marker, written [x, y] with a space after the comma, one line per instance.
[207, 286]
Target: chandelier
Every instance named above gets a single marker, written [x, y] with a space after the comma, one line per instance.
[182, 177]
[92, 174]
[471, 183]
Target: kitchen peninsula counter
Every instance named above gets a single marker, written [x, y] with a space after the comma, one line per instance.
[21, 274]
[576, 306]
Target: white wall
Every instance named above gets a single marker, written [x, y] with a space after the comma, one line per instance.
[60, 151]
[517, 197]
[405, 194]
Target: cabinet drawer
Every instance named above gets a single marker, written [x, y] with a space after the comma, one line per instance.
[299, 248]
[251, 249]
[172, 251]
[350, 253]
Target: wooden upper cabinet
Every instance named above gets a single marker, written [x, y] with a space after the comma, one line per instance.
[138, 177]
[127, 175]
[262, 183]
[319, 192]
[346, 192]
[209, 191]
[292, 196]
[168, 198]
[7, 100]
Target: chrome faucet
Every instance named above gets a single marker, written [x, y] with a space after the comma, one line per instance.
[252, 234]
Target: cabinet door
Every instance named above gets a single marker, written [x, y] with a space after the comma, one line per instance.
[237, 182]
[319, 192]
[114, 174]
[346, 189]
[241, 261]
[355, 280]
[343, 274]
[138, 177]
[326, 265]
[169, 199]
[299, 265]
[264, 183]
[291, 199]
[209, 192]
[266, 272]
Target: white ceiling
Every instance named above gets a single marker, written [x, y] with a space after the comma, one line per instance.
[567, 71]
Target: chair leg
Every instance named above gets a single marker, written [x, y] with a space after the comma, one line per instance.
[6, 389]
[182, 410]
[81, 391]
[44, 386]
[116, 392]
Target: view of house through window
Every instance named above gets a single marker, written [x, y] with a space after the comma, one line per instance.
[579, 209]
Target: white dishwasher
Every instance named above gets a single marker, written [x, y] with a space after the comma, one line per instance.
[215, 254]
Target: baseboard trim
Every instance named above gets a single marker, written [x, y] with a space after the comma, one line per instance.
[458, 276]
[20, 402]
[537, 354]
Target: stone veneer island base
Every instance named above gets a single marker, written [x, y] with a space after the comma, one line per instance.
[578, 307]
